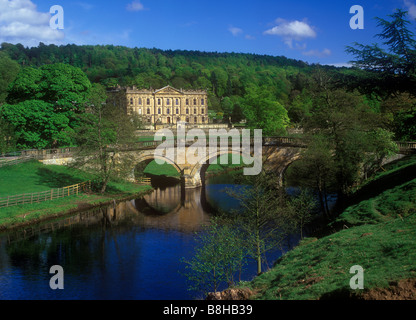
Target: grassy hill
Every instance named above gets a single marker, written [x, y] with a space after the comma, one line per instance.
[379, 235]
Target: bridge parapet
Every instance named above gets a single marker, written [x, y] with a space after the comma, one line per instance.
[407, 147]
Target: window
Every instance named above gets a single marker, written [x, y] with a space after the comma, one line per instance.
[177, 110]
[148, 101]
[187, 119]
[148, 110]
[177, 102]
[195, 111]
[159, 111]
[149, 120]
[202, 111]
[168, 111]
[140, 111]
[187, 111]
[131, 101]
[187, 102]
[140, 101]
[195, 119]
[194, 102]
[158, 102]
[168, 101]
[202, 101]
[203, 119]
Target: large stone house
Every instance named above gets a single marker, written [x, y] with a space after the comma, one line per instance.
[167, 105]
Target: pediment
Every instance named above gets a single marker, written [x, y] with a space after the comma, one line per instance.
[168, 89]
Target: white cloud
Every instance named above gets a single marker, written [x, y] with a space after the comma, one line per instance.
[135, 6]
[317, 53]
[250, 37]
[291, 30]
[411, 8]
[20, 22]
[235, 31]
[84, 5]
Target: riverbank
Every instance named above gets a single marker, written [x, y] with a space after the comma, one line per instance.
[377, 233]
[35, 177]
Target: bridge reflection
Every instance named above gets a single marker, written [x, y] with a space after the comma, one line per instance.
[167, 208]
[173, 207]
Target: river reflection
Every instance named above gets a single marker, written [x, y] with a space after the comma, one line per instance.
[130, 250]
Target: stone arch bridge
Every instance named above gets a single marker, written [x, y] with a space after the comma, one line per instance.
[277, 154]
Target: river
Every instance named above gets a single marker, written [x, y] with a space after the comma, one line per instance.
[129, 251]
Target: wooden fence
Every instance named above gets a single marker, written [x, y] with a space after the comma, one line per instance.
[144, 180]
[29, 198]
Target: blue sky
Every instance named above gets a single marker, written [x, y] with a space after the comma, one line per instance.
[313, 31]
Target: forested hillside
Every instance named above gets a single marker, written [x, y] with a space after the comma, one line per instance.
[227, 76]
[269, 92]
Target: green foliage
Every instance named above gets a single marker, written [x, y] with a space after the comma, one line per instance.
[391, 71]
[302, 207]
[264, 112]
[224, 75]
[8, 72]
[104, 131]
[219, 256]
[37, 125]
[43, 103]
[263, 218]
[7, 137]
[405, 125]
[354, 133]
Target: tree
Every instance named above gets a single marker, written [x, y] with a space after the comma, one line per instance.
[237, 114]
[219, 256]
[8, 72]
[43, 104]
[36, 125]
[392, 71]
[103, 135]
[60, 84]
[263, 111]
[262, 218]
[7, 137]
[302, 206]
[227, 108]
[315, 169]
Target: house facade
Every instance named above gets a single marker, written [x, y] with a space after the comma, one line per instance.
[167, 105]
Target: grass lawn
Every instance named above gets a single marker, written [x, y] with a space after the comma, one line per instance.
[33, 177]
[380, 236]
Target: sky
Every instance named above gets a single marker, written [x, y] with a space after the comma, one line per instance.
[312, 31]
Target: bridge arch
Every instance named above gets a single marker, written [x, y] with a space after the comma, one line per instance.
[275, 159]
[198, 171]
[149, 157]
